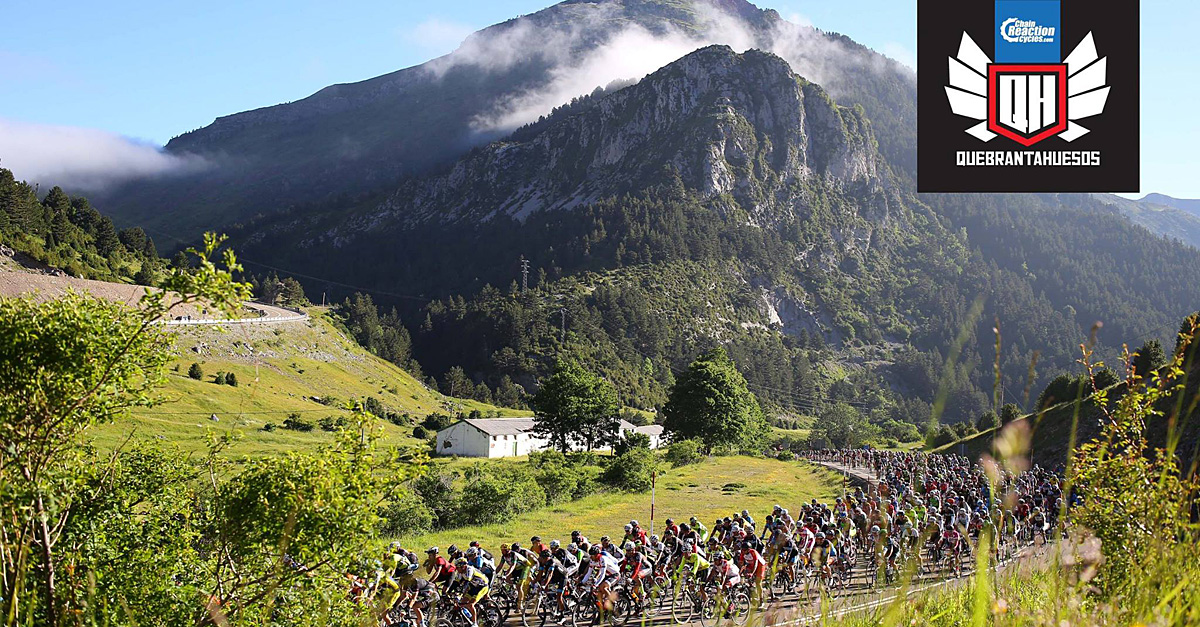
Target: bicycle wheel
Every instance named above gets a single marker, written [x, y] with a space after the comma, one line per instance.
[531, 609]
[683, 607]
[740, 608]
[585, 614]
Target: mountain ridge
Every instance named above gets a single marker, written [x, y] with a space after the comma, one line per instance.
[357, 139]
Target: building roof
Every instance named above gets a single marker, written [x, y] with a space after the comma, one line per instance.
[651, 430]
[517, 426]
[501, 426]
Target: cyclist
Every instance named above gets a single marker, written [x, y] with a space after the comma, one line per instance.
[700, 529]
[515, 568]
[552, 576]
[607, 545]
[602, 571]
[635, 567]
[477, 558]
[471, 584]
[438, 569]
[420, 594]
[754, 565]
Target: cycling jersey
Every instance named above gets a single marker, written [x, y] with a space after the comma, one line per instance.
[727, 571]
[695, 562]
[601, 570]
[753, 563]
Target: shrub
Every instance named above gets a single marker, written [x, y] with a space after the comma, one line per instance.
[500, 496]
[332, 423]
[785, 456]
[987, 420]
[420, 433]
[940, 436]
[631, 441]
[296, 423]
[195, 371]
[270, 426]
[684, 453]
[231, 379]
[219, 378]
[405, 515]
[632, 471]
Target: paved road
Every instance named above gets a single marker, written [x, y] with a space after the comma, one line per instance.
[266, 314]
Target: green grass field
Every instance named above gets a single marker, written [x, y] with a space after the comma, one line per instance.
[280, 369]
[718, 486]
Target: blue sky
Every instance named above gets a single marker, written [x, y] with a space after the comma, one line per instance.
[152, 70]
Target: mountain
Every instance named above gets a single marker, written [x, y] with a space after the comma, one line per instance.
[1190, 206]
[1166, 216]
[726, 200]
[347, 143]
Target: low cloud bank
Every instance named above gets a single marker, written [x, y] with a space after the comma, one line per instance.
[82, 159]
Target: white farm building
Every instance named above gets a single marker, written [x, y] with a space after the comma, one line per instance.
[508, 437]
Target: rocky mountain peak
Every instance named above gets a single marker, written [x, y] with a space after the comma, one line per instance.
[741, 129]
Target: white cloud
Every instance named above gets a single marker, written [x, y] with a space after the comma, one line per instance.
[82, 158]
[577, 63]
[437, 35]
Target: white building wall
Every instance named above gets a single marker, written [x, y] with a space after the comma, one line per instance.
[465, 440]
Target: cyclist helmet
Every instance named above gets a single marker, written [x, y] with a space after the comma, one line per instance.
[475, 543]
[535, 539]
[654, 539]
[433, 550]
[395, 546]
[684, 528]
[554, 544]
[545, 554]
[694, 520]
[504, 547]
[820, 535]
[460, 562]
[628, 546]
[745, 513]
[634, 523]
[746, 546]
[628, 528]
[516, 546]
[874, 528]
[594, 552]
[605, 539]
[472, 553]
[686, 548]
[572, 547]
[453, 549]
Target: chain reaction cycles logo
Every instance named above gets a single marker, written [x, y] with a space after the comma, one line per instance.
[1031, 105]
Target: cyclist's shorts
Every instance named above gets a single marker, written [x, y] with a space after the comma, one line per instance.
[475, 592]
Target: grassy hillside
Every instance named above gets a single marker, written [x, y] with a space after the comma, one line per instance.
[715, 487]
[281, 369]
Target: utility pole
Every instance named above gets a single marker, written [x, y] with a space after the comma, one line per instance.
[524, 274]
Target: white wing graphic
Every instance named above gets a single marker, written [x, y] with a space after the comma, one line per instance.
[968, 86]
[1086, 89]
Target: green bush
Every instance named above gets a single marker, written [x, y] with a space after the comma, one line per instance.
[332, 423]
[499, 496]
[405, 515]
[785, 456]
[195, 371]
[632, 471]
[231, 379]
[296, 423]
[270, 426]
[219, 378]
[940, 436]
[631, 441]
[420, 433]
[684, 453]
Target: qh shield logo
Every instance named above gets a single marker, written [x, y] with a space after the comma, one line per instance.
[1028, 102]
[1015, 96]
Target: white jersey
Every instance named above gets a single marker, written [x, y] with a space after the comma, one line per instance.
[601, 569]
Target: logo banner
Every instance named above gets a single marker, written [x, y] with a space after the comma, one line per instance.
[1028, 96]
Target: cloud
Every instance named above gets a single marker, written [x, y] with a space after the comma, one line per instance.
[582, 51]
[438, 35]
[82, 158]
